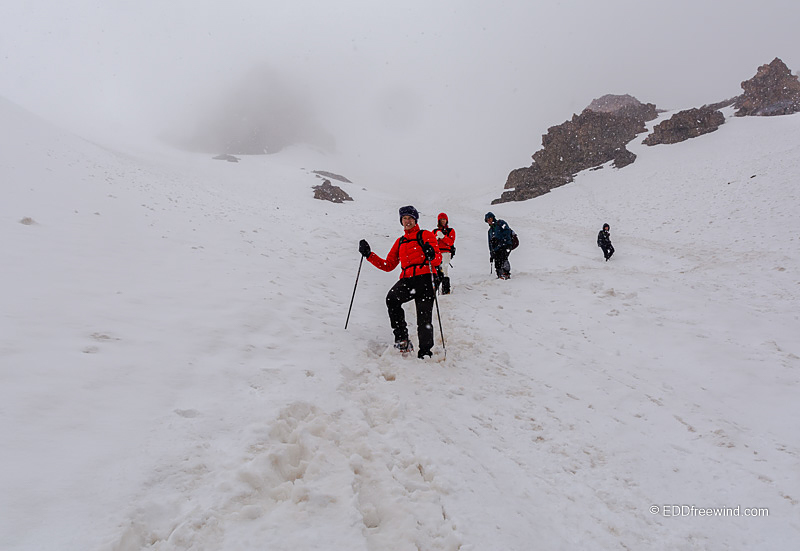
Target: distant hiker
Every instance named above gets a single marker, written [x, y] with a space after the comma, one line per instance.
[416, 250]
[500, 245]
[446, 237]
[604, 241]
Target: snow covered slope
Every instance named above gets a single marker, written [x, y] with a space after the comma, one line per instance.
[175, 372]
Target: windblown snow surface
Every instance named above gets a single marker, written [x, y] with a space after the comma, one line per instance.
[176, 373]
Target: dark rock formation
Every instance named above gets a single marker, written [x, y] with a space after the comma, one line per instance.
[721, 104]
[227, 157]
[328, 192]
[773, 91]
[684, 125]
[598, 135]
[332, 176]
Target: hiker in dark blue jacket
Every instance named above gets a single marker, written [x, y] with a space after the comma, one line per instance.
[500, 243]
[604, 241]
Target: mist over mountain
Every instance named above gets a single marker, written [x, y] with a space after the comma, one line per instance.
[262, 112]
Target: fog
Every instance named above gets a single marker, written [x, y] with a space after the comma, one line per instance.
[431, 95]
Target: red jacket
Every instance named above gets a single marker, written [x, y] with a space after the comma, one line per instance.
[446, 242]
[407, 252]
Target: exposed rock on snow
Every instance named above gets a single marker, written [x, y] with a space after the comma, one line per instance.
[332, 176]
[328, 192]
[601, 132]
[774, 90]
[598, 135]
[684, 125]
[227, 157]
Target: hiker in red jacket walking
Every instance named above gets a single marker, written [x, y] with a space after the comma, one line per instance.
[446, 237]
[416, 251]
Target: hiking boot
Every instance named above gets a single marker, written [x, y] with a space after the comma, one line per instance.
[422, 353]
[404, 346]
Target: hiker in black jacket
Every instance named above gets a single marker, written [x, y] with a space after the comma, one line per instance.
[604, 241]
[500, 245]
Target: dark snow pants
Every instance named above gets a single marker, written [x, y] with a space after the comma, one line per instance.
[608, 250]
[501, 264]
[420, 290]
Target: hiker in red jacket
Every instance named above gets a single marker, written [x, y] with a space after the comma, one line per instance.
[446, 237]
[416, 251]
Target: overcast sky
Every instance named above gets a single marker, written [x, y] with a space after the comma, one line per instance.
[429, 90]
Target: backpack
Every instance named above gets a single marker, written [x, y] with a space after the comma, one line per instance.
[514, 240]
[404, 239]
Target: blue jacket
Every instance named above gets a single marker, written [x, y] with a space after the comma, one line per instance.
[499, 236]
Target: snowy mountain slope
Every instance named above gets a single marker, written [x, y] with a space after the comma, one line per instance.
[176, 374]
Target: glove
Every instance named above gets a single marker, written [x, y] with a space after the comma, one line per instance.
[430, 252]
[363, 248]
[439, 234]
[491, 257]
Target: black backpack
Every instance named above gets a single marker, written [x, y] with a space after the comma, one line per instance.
[514, 240]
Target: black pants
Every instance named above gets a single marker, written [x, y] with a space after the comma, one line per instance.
[420, 290]
[501, 264]
[608, 250]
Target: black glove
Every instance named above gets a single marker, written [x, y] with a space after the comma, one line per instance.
[363, 248]
[491, 257]
[430, 252]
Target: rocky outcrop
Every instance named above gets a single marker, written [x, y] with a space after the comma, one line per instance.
[332, 176]
[596, 136]
[684, 125]
[328, 192]
[227, 157]
[773, 91]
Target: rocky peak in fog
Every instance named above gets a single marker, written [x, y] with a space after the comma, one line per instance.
[602, 131]
[774, 90]
[596, 136]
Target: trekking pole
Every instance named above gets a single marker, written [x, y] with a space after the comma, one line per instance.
[354, 292]
[438, 315]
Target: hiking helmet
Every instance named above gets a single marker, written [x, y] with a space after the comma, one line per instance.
[489, 214]
[409, 211]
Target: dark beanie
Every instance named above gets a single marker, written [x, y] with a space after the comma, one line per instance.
[489, 215]
[409, 211]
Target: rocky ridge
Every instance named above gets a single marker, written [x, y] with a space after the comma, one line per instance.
[774, 90]
[602, 131]
[685, 125]
[596, 136]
